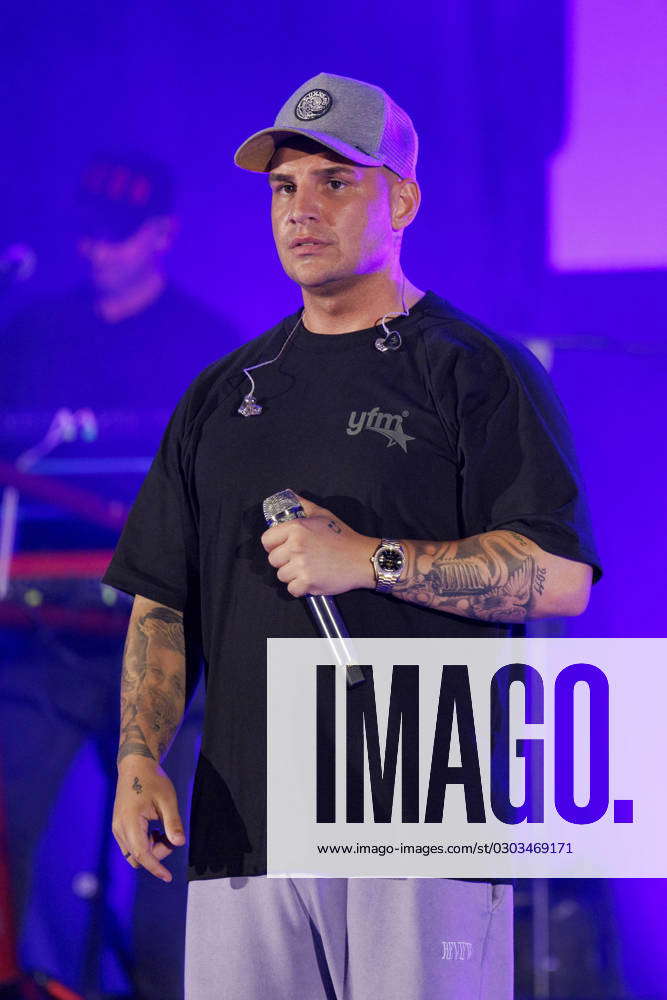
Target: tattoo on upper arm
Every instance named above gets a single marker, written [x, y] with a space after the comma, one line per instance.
[490, 577]
[152, 687]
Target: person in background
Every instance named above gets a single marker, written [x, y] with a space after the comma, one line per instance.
[109, 343]
[123, 345]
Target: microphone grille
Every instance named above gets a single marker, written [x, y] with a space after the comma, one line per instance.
[282, 506]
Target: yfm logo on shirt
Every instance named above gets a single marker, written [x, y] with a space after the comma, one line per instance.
[389, 425]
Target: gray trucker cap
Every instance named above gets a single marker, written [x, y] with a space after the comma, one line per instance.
[358, 120]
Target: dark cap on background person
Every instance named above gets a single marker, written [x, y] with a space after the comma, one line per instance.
[119, 192]
[355, 119]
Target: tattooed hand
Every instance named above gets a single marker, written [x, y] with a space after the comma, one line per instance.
[499, 576]
[319, 554]
[144, 794]
[152, 702]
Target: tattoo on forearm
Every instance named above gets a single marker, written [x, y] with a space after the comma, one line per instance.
[164, 627]
[133, 741]
[137, 786]
[491, 577]
[177, 685]
[152, 683]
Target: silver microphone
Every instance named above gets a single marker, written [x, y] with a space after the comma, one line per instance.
[285, 506]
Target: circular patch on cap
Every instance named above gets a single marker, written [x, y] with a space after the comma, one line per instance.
[312, 105]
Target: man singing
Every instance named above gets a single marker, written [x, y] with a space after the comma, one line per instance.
[442, 499]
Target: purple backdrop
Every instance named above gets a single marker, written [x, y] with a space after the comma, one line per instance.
[535, 217]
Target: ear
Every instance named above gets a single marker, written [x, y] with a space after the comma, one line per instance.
[405, 201]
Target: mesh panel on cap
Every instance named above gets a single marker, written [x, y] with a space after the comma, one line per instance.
[398, 147]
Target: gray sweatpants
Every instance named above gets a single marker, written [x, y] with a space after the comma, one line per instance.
[348, 939]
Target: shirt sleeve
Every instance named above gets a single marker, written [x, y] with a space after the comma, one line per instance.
[157, 554]
[518, 466]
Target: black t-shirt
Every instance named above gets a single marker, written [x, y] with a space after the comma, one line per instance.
[458, 432]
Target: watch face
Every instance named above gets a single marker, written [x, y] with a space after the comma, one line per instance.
[390, 560]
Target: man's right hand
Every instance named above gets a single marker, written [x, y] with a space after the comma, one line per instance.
[145, 793]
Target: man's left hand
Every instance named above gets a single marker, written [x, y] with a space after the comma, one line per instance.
[320, 554]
